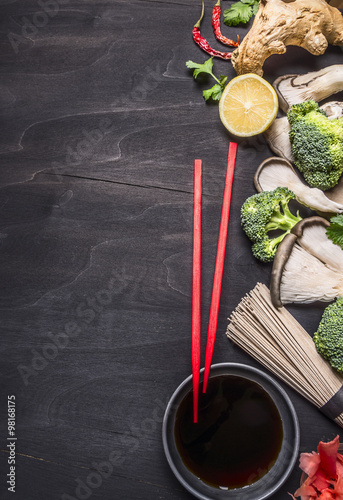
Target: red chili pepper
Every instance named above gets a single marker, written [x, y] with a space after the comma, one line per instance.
[216, 13]
[202, 42]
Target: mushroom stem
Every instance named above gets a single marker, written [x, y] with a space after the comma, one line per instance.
[282, 254]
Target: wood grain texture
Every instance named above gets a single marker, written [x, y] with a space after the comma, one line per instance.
[101, 122]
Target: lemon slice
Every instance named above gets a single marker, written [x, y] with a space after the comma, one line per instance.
[248, 106]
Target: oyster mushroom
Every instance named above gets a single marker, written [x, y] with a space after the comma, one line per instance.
[307, 267]
[316, 85]
[277, 134]
[277, 172]
[333, 109]
[313, 230]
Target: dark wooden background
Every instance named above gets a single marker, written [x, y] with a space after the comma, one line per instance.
[101, 123]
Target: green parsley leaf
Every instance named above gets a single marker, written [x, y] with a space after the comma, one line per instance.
[201, 68]
[215, 92]
[237, 13]
[335, 230]
[255, 8]
[240, 12]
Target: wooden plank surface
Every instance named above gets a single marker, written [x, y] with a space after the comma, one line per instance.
[101, 122]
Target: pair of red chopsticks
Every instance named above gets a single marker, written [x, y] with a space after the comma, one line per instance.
[218, 274]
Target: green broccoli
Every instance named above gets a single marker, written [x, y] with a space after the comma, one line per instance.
[265, 212]
[266, 248]
[298, 111]
[317, 144]
[329, 336]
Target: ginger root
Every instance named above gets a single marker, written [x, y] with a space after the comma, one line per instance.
[311, 24]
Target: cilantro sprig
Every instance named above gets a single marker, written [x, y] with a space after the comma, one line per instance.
[216, 91]
[240, 12]
[335, 230]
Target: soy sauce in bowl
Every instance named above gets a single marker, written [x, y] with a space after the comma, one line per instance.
[238, 436]
[246, 441]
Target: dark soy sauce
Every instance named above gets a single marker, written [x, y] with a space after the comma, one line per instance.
[238, 435]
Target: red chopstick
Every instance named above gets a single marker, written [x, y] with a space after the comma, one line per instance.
[196, 285]
[218, 273]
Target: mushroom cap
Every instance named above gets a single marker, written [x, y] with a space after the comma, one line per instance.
[307, 267]
[333, 109]
[277, 172]
[312, 237]
[316, 85]
[306, 279]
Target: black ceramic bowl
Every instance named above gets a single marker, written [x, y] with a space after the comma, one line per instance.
[269, 483]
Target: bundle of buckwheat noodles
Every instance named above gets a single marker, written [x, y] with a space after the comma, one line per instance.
[275, 339]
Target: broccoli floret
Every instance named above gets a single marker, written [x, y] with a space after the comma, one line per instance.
[265, 212]
[298, 111]
[317, 144]
[266, 249]
[329, 336]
